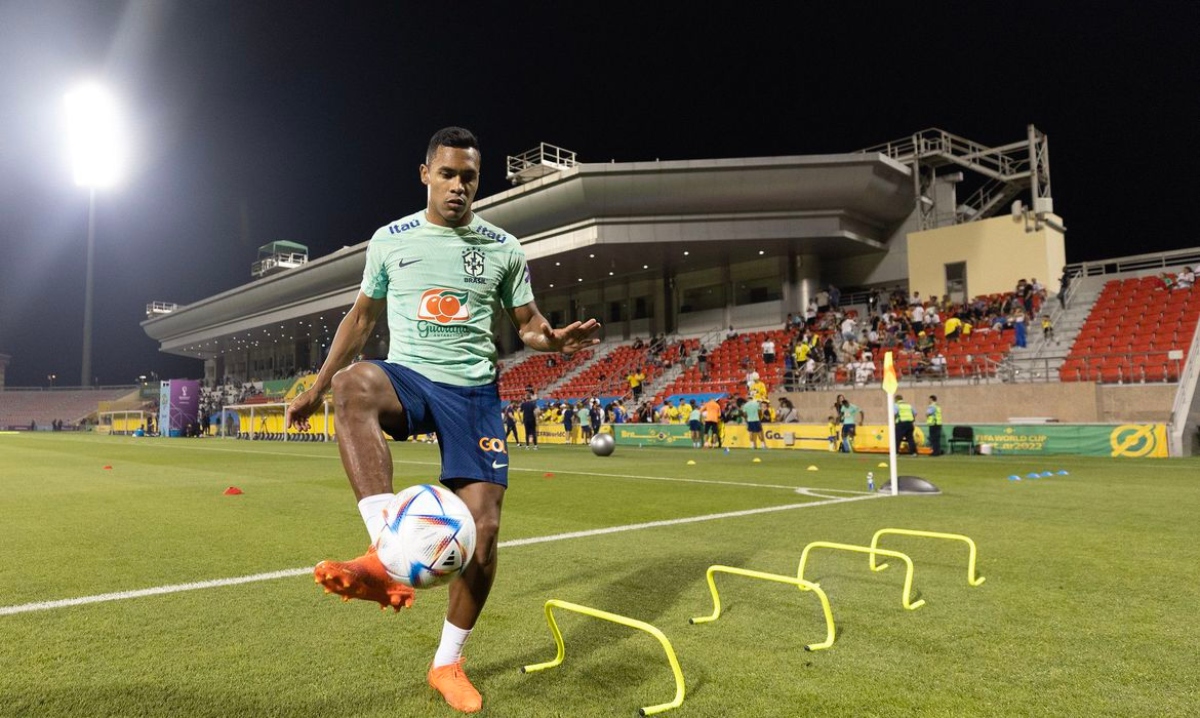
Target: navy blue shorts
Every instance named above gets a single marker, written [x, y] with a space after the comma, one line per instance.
[466, 420]
[695, 426]
[848, 430]
[754, 427]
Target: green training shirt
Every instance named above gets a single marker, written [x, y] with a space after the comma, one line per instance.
[442, 286]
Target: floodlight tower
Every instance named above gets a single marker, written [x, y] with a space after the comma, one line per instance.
[93, 133]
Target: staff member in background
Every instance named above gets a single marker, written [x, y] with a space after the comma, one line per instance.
[529, 409]
[904, 425]
[712, 419]
[933, 418]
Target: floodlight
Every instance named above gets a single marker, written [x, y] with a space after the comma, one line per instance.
[94, 134]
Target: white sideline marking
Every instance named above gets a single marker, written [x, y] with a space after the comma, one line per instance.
[797, 489]
[294, 572]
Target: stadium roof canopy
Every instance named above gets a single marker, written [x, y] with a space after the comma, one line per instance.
[630, 219]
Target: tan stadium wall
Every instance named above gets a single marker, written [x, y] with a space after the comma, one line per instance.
[998, 252]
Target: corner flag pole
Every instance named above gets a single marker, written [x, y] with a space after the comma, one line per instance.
[889, 386]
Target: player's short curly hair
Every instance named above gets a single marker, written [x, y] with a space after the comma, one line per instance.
[450, 137]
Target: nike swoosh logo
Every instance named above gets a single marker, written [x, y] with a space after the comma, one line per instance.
[498, 466]
[402, 264]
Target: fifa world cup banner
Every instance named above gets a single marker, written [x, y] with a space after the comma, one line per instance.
[1114, 440]
[178, 406]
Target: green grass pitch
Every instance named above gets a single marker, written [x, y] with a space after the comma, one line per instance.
[1089, 608]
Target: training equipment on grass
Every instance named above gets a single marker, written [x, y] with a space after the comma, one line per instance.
[232, 491]
[428, 537]
[830, 631]
[691, 463]
[756, 460]
[603, 444]
[911, 485]
[812, 468]
[973, 579]
[905, 600]
[624, 621]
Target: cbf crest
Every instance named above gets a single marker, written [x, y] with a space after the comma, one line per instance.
[473, 262]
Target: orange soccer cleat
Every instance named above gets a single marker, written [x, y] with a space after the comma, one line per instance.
[455, 687]
[365, 578]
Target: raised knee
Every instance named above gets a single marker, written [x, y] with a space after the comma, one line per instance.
[351, 387]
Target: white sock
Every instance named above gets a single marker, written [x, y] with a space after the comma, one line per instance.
[450, 649]
[371, 508]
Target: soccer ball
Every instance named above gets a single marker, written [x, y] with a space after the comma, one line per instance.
[428, 538]
[603, 444]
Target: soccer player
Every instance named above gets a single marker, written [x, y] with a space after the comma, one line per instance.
[438, 272]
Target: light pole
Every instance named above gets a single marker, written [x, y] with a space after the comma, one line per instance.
[94, 135]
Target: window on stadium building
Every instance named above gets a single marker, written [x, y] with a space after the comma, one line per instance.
[699, 299]
[757, 290]
[641, 307]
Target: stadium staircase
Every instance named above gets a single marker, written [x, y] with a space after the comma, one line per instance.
[1042, 359]
[731, 361]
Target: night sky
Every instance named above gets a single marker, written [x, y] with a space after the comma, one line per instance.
[261, 121]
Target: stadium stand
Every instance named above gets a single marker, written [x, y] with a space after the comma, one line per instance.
[1131, 331]
[537, 371]
[19, 407]
[608, 376]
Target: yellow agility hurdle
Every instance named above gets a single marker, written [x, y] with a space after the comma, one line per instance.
[972, 578]
[624, 621]
[830, 632]
[904, 600]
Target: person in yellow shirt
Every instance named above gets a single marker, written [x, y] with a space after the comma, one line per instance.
[669, 414]
[834, 432]
[636, 379]
[758, 390]
[952, 328]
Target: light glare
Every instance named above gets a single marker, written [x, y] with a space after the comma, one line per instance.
[93, 131]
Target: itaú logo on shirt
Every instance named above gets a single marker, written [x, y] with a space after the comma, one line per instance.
[443, 306]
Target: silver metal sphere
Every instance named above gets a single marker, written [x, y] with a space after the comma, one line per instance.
[603, 444]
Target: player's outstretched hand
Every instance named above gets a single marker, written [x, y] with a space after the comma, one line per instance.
[573, 337]
[301, 408]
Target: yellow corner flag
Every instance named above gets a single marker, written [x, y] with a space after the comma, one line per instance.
[889, 374]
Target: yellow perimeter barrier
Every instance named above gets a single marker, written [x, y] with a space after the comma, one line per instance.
[972, 578]
[830, 631]
[905, 600]
[624, 621]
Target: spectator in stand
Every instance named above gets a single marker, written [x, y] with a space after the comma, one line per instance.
[636, 378]
[937, 365]
[830, 352]
[758, 388]
[932, 319]
[953, 328]
[822, 300]
[849, 330]
[835, 298]
[924, 343]
[1019, 327]
[787, 412]
[1047, 328]
[731, 333]
[917, 318]
[768, 351]
[703, 359]
[637, 343]
[1185, 279]
[810, 313]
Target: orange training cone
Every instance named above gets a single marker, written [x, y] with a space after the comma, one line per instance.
[233, 491]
